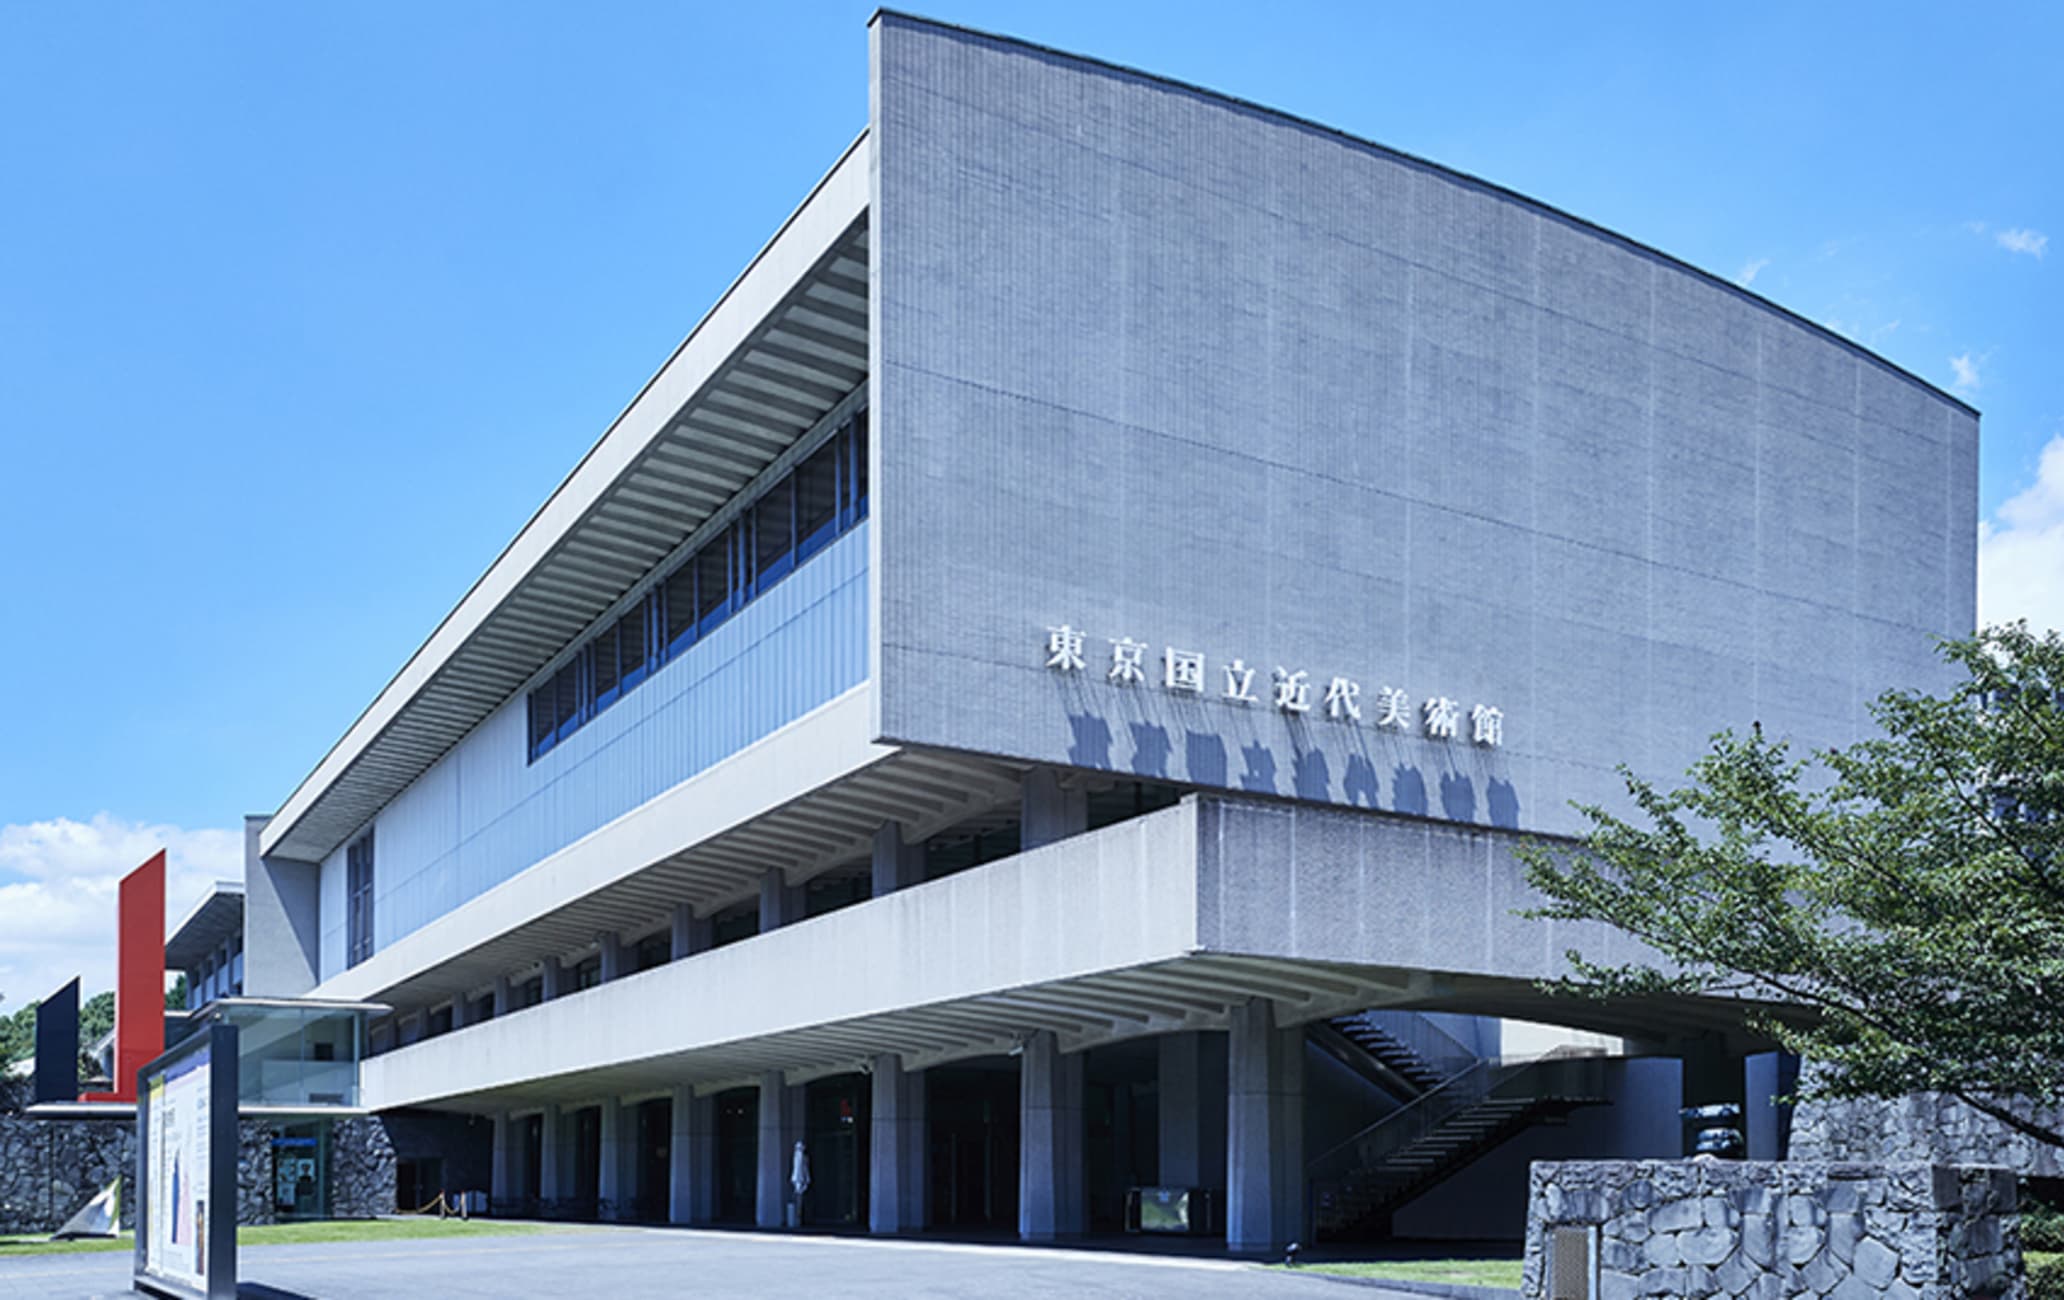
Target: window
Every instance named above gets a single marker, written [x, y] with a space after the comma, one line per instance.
[587, 973]
[797, 515]
[630, 644]
[358, 893]
[655, 950]
[817, 513]
[681, 610]
[530, 992]
[608, 683]
[712, 567]
[774, 536]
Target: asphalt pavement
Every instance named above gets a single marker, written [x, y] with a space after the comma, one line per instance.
[627, 1263]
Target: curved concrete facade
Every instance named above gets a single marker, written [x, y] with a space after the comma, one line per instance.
[1158, 365]
[1266, 531]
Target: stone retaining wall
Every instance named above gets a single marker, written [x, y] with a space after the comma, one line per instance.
[49, 1169]
[1767, 1229]
[1927, 1127]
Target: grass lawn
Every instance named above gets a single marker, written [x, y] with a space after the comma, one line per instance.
[1468, 1272]
[284, 1234]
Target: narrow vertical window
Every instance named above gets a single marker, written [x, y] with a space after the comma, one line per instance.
[358, 884]
[774, 535]
[713, 582]
[816, 507]
[631, 646]
[602, 651]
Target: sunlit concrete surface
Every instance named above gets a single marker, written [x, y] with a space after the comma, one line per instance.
[635, 1262]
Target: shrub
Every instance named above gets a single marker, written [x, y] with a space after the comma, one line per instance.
[2042, 1227]
[2045, 1276]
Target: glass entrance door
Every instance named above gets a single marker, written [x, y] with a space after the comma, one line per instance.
[301, 1170]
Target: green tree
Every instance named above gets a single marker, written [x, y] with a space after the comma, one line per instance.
[96, 1017]
[1902, 896]
[18, 1035]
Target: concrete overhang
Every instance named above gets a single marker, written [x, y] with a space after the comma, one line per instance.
[213, 921]
[784, 346]
[807, 797]
[1162, 923]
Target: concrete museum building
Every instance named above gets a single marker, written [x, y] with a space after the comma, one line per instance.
[1038, 697]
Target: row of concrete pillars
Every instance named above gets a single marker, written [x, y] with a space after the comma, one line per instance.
[1251, 1155]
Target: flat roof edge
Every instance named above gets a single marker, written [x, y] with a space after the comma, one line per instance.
[1466, 178]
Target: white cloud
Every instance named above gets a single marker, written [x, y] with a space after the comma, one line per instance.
[1966, 368]
[2021, 551]
[2023, 240]
[61, 878]
[1975, 227]
[1750, 270]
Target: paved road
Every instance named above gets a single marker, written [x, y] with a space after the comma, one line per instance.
[626, 1263]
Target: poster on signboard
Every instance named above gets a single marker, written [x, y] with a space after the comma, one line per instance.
[186, 1169]
[178, 1125]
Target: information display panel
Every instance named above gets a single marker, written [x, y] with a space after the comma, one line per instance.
[186, 1168]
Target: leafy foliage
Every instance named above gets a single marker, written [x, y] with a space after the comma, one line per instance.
[18, 1035]
[1905, 895]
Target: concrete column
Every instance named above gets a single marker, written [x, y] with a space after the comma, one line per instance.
[778, 1135]
[777, 902]
[555, 978]
[612, 1186]
[1264, 1131]
[692, 1159]
[1050, 1131]
[896, 1149]
[615, 957]
[692, 934]
[504, 996]
[555, 1161]
[508, 1159]
[1051, 811]
[897, 865]
[1192, 1111]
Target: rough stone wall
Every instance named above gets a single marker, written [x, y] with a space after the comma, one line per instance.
[1766, 1229]
[1927, 1127]
[50, 1169]
[254, 1173]
[362, 1169]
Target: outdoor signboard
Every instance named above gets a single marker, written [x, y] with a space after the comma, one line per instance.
[186, 1169]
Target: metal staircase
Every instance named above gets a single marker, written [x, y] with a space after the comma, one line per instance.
[1359, 1183]
[1391, 1046]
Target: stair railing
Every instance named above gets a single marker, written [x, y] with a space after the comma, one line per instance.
[1423, 1036]
[1558, 1073]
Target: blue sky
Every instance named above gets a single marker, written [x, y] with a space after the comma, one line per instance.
[304, 309]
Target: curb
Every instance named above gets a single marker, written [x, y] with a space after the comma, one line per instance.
[1450, 1290]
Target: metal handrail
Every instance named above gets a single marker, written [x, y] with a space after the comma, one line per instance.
[1413, 1120]
[1420, 1034]
[1417, 1118]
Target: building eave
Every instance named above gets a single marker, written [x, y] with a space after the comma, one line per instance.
[706, 425]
